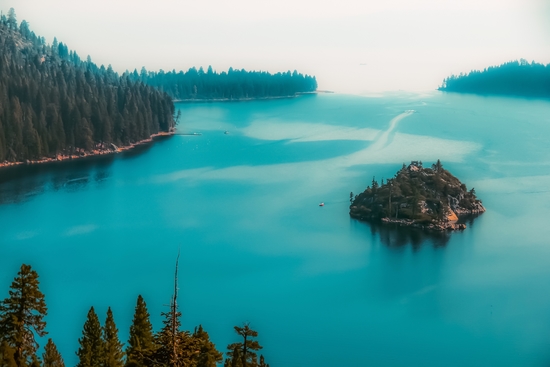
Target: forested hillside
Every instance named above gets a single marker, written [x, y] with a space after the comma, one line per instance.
[516, 78]
[52, 102]
[233, 84]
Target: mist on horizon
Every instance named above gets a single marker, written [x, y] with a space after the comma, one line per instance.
[352, 47]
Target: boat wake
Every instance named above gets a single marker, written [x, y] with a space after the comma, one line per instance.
[384, 139]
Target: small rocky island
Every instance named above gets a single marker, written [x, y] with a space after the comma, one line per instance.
[429, 198]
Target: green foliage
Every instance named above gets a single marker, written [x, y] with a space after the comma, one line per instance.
[208, 356]
[112, 347]
[245, 351]
[51, 356]
[141, 343]
[415, 193]
[175, 348]
[52, 102]
[21, 316]
[517, 78]
[101, 347]
[233, 84]
[91, 350]
[7, 355]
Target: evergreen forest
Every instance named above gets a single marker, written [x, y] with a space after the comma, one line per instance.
[418, 194]
[22, 326]
[231, 85]
[52, 102]
[54, 105]
[515, 78]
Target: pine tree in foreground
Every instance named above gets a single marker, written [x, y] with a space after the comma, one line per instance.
[21, 316]
[7, 355]
[208, 356]
[112, 347]
[51, 356]
[176, 348]
[244, 352]
[141, 343]
[90, 353]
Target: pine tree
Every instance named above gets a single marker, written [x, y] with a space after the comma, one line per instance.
[208, 356]
[7, 358]
[262, 362]
[175, 348]
[247, 348]
[51, 356]
[112, 347]
[21, 316]
[90, 353]
[141, 343]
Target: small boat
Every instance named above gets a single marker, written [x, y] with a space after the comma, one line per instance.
[226, 132]
[321, 204]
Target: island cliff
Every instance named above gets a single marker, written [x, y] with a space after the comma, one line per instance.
[429, 198]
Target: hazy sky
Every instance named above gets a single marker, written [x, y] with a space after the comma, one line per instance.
[350, 45]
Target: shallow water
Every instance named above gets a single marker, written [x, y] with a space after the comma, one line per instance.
[321, 289]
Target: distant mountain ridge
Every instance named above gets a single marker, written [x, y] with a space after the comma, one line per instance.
[514, 78]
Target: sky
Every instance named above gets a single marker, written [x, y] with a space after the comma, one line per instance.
[351, 46]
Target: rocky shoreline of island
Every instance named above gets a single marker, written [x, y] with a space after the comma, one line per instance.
[425, 198]
[99, 149]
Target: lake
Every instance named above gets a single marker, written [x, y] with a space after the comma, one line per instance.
[321, 289]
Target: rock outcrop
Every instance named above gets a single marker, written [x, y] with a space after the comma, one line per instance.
[428, 198]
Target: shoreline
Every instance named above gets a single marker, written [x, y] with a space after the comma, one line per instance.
[247, 99]
[447, 224]
[100, 150]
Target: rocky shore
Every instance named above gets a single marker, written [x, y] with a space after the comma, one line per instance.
[99, 149]
[426, 198]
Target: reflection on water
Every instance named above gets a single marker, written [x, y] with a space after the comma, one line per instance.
[393, 235]
[23, 182]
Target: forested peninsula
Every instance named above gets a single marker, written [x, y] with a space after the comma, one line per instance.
[515, 78]
[198, 85]
[428, 198]
[53, 105]
[56, 106]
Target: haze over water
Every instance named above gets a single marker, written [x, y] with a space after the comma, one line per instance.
[321, 289]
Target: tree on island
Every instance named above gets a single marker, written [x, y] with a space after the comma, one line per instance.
[21, 317]
[426, 196]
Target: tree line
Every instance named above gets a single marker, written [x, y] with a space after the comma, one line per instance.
[423, 194]
[515, 78]
[234, 84]
[22, 321]
[52, 102]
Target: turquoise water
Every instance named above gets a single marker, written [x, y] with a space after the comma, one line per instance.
[321, 289]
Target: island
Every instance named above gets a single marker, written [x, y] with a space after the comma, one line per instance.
[428, 198]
